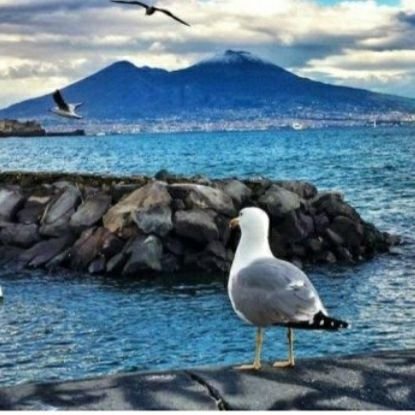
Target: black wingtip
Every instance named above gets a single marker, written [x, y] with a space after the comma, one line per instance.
[321, 322]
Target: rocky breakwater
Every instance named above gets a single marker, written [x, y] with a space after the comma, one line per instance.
[143, 226]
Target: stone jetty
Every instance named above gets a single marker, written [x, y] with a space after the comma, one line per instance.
[142, 226]
[375, 381]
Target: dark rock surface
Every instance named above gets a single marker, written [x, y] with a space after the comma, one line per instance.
[140, 225]
[378, 381]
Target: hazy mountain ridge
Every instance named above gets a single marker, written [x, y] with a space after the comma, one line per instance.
[235, 81]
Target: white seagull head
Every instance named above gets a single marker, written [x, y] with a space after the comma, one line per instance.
[253, 221]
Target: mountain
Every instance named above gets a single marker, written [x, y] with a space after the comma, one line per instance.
[230, 83]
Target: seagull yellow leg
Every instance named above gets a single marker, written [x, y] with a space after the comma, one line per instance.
[290, 362]
[258, 349]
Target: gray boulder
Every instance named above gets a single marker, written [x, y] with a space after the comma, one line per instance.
[303, 189]
[145, 254]
[87, 247]
[196, 225]
[20, 235]
[44, 251]
[91, 211]
[55, 221]
[154, 219]
[238, 191]
[349, 230]
[10, 201]
[199, 196]
[97, 266]
[33, 210]
[152, 194]
[278, 201]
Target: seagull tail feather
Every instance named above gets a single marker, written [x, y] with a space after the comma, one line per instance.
[320, 322]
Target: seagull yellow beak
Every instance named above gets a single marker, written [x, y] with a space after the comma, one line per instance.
[234, 223]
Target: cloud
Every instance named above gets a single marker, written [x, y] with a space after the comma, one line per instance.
[360, 42]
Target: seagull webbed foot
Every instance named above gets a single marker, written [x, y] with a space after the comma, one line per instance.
[254, 366]
[283, 365]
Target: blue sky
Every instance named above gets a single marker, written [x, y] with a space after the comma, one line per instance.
[47, 44]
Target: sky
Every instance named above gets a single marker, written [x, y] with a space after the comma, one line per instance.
[48, 44]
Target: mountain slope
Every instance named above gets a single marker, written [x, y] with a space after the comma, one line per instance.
[234, 81]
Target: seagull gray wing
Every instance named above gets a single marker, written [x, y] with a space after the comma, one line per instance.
[270, 291]
[60, 102]
[170, 14]
[135, 3]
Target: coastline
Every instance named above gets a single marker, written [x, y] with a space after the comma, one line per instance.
[141, 226]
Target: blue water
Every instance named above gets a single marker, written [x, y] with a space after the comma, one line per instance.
[67, 326]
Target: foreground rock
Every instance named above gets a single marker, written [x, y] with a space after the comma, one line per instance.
[378, 381]
[140, 226]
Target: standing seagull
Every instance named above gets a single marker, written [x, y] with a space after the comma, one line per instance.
[151, 10]
[266, 291]
[64, 109]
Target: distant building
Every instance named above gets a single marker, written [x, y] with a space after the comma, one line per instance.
[14, 128]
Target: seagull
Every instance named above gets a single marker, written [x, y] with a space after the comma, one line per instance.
[150, 10]
[266, 291]
[64, 109]
[1, 293]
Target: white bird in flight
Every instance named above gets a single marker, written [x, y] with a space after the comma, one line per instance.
[64, 109]
[266, 291]
[150, 10]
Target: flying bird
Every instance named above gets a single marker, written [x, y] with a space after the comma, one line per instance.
[266, 291]
[150, 10]
[64, 109]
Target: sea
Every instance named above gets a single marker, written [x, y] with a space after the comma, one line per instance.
[58, 326]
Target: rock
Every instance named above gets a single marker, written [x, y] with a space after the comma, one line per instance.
[170, 263]
[334, 238]
[196, 225]
[199, 196]
[10, 201]
[344, 254]
[91, 211]
[9, 254]
[116, 263]
[111, 245]
[120, 190]
[315, 245]
[55, 221]
[238, 191]
[19, 235]
[145, 254]
[303, 189]
[392, 240]
[174, 245]
[97, 266]
[87, 247]
[152, 194]
[278, 201]
[326, 257]
[31, 213]
[321, 222]
[154, 219]
[298, 251]
[224, 230]
[60, 260]
[206, 263]
[258, 186]
[44, 251]
[216, 248]
[349, 230]
[294, 228]
[178, 204]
